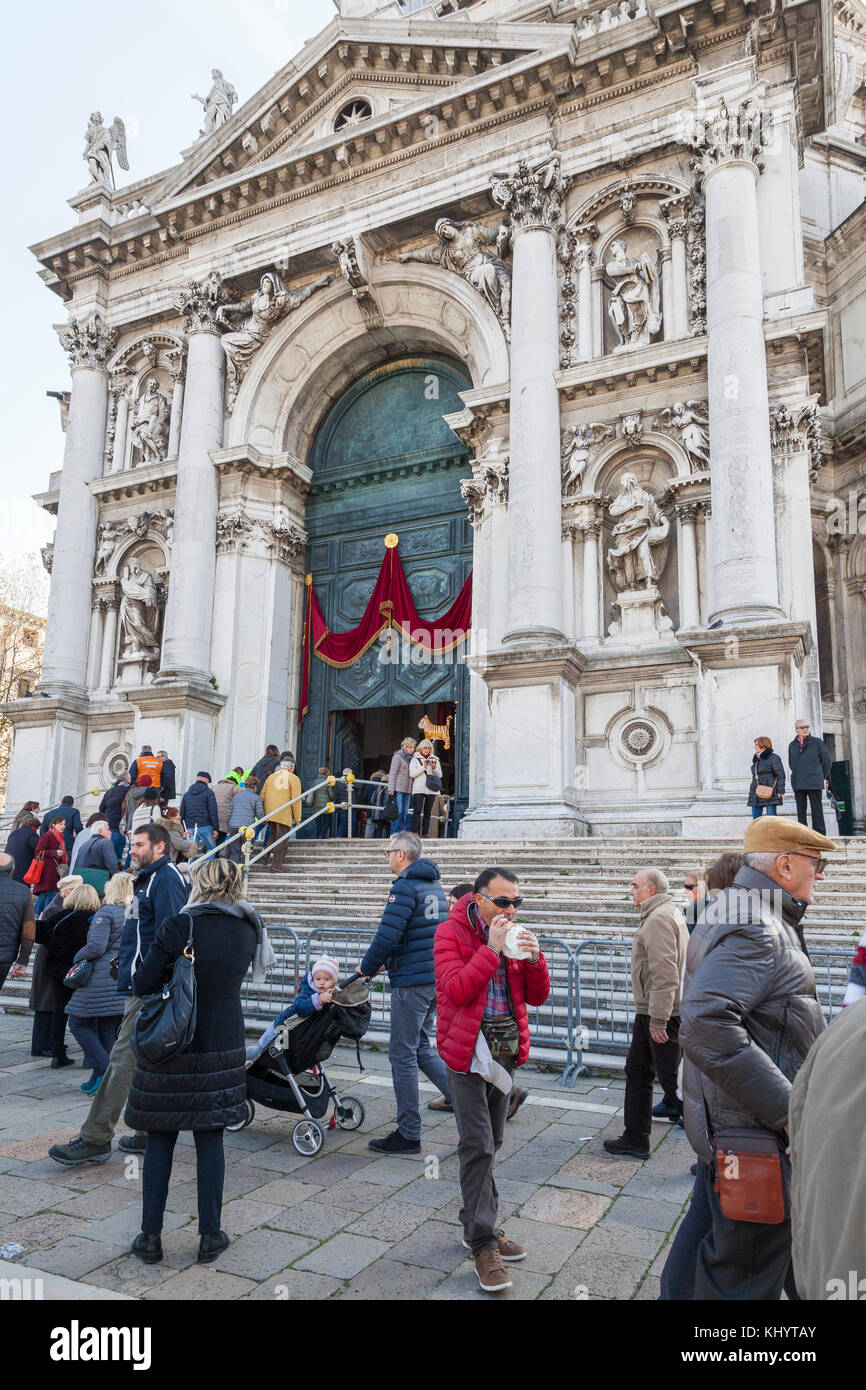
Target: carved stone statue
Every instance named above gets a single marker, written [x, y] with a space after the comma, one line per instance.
[101, 144]
[260, 312]
[106, 543]
[464, 249]
[640, 527]
[690, 419]
[149, 427]
[218, 104]
[576, 445]
[634, 301]
[138, 611]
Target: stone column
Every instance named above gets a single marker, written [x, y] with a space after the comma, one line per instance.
[120, 387]
[728, 147]
[678, 230]
[186, 643]
[590, 628]
[88, 345]
[669, 326]
[569, 531]
[597, 299]
[109, 642]
[687, 555]
[176, 368]
[94, 645]
[533, 199]
[585, 234]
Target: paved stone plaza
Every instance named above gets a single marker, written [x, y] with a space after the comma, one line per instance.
[345, 1224]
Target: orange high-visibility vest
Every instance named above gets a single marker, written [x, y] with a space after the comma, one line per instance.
[153, 768]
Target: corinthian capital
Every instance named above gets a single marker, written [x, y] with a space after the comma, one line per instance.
[88, 342]
[532, 197]
[729, 134]
[199, 301]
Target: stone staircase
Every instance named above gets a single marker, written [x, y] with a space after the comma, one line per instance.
[573, 890]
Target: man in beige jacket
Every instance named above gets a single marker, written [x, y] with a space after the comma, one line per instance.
[658, 958]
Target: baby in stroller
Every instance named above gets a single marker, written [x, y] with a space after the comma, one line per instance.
[316, 990]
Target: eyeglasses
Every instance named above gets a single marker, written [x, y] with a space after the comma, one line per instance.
[502, 902]
[818, 860]
[689, 887]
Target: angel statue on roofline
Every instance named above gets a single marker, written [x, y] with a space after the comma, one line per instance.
[101, 144]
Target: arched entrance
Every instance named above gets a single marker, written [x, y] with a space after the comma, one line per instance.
[384, 460]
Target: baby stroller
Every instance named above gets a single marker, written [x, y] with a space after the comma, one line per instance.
[289, 1074]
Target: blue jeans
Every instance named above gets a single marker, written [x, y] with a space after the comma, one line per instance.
[204, 836]
[404, 809]
[413, 1008]
[761, 808]
[96, 1037]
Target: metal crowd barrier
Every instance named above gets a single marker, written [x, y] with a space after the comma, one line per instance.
[590, 1006]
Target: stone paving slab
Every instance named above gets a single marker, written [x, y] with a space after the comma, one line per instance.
[349, 1223]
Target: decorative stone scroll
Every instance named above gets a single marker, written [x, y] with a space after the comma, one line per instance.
[532, 197]
[349, 253]
[88, 342]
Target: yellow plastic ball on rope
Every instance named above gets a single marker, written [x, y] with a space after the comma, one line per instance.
[331, 781]
[249, 831]
[350, 776]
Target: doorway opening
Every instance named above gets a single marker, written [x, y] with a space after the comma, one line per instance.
[365, 740]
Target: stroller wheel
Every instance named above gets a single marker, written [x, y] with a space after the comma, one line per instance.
[349, 1113]
[308, 1137]
[249, 1116]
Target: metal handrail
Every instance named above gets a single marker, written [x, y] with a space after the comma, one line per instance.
[242, 832]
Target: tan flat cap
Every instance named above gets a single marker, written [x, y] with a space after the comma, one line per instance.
[70, 881]
[779, 835]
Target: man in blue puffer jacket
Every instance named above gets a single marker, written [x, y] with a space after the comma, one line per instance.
[404, 945]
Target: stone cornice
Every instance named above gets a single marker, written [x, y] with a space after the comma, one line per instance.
[659, 362]
[135, 482]
[755, 644]
[246, 458]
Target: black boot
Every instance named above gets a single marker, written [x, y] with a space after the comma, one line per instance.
[147, 1248]
[209, 1247]
[63, 1060]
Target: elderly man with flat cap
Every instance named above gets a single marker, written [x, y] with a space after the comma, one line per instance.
[749, 1016]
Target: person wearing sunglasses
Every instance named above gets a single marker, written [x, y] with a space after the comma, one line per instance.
[484, 984]
[749, 1016]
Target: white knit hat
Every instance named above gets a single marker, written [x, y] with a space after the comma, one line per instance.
[326, 965]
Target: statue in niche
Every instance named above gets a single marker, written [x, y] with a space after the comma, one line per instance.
[139, 614]
[641, 525]
[149, 427]
[690, 419]
[576, 445]
[634, 300]
[464, 249]
[105, 546]
[217, 104]
[260, 313]
[101, 144]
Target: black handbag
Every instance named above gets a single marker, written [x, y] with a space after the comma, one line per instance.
[78, 974]
[390, 810]
[165, 1024]
[434, 783]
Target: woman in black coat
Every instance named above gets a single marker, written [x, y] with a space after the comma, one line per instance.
[203, 1088]
[767, 771]
[62, 942]
[22, 846]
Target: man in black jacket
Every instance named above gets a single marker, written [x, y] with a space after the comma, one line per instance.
[749, 1016]
[160, 892]
[111, 806]
[809, 761]
[168, 780]
[199, 812]
[17, 921]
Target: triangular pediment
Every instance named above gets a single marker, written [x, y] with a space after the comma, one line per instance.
[392, 64]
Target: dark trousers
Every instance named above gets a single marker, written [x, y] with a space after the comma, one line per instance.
[210, 1169]
[58, 1033]
[814, 798]
[422, 807]
[479, 1110]
[96, 1037]
[40, 1038]
[716, 1259]
[323, 827]
[648, 1060]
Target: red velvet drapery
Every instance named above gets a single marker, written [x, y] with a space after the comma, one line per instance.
[390, 605]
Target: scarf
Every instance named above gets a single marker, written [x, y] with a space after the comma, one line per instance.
[264, 958]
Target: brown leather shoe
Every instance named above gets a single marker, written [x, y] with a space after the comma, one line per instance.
[515, 1100]
[492, 1274]
[508, 1249]
[440, 1104]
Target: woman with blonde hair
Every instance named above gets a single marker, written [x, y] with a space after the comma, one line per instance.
[424, 767]
[95, 1009]
[203, 1088]
[66, 938]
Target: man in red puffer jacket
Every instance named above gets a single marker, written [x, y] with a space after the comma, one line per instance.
[482, 1035]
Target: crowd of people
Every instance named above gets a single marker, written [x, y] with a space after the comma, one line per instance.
[726, 1017]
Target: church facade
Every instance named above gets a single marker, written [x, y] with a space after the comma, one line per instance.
[565, 295]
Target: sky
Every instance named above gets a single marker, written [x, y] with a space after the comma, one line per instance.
[119, 57]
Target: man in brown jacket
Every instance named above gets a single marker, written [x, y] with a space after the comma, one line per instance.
[658, 958]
